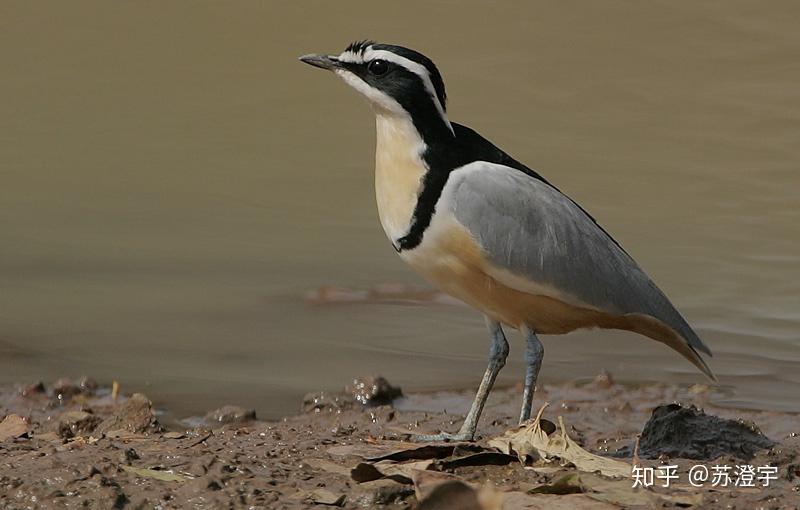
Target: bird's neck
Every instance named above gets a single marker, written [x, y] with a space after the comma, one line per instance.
[399, 172]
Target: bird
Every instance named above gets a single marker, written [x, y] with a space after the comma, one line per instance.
[491, 231]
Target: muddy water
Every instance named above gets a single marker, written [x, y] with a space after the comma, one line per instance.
[174, 181]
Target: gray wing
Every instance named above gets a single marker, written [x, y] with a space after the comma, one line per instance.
[531, 229]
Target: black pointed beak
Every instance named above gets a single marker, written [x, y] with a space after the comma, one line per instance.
[321, 61]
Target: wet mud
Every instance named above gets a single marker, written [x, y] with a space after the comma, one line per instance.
[82, 445]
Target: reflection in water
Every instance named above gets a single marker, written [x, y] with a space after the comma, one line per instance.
[174, 182]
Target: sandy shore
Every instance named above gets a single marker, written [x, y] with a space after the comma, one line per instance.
[72, 445]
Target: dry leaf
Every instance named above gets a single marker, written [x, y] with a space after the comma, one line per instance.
[402, 450]
[428, 451]
[531, 441]
[399, 472]
[475, 459]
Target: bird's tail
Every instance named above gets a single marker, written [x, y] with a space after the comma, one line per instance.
[659, 331]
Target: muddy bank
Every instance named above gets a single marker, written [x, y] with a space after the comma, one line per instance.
[78, 445]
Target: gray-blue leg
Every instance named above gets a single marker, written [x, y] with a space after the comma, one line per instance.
[534, 352]
[498, 352]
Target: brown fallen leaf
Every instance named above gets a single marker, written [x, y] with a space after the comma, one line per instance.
[13, 426]
[475, 459]
[164, 476]
[401, 450]
[428, 451]
[399, 472]
[530, 441]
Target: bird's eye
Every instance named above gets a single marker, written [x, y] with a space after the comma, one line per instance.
[378, 67]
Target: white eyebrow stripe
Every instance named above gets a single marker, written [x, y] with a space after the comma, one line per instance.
[351, 57]
[416, 68]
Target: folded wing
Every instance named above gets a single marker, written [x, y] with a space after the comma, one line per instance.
[538, 237]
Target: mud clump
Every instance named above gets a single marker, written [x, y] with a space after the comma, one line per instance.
[690, 433]
[13, 426]
[134, 415]
[231, 414]
[373, 391]
[66, 388]
[76, 423]
[326, 402]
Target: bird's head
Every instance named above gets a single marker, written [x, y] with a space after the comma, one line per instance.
[395, 80]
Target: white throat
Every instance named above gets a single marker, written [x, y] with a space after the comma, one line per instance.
[399, 170]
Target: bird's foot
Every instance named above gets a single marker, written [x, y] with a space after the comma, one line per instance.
[443, 436]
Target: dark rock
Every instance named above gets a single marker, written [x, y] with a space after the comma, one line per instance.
[687, 432]
[373, 391]
[231, 414]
